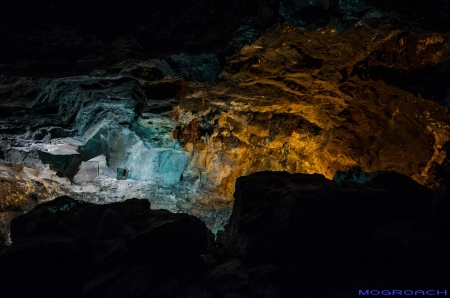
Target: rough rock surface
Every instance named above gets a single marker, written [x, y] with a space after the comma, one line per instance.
[109, 134]
[172, 103]
[22, 188]
[321, 102]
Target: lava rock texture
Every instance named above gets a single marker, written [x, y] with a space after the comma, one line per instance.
[176, 102]
[321, 102]
[173, 103]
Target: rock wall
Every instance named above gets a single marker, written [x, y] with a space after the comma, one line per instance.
[319, 102]
[175, 114]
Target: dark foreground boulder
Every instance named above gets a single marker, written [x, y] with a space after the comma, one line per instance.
[303, 235]
[67, 248]
[284, 216]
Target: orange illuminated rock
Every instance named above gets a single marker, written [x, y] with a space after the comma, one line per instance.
[303, 102]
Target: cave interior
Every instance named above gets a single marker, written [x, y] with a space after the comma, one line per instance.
[198, 148]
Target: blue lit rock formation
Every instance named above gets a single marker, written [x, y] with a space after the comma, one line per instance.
[117, 139]
[355, 174]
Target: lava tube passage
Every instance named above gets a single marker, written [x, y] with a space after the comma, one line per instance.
[270, 148]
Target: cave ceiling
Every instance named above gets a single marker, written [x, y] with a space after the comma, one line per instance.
[174, 103]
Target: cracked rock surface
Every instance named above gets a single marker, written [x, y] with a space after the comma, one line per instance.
[319, 102]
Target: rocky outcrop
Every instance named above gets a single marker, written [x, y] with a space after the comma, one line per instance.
[299, 233]
[321, 102]
[274, 212]
[110, 134]
[76, 249]
[22, 188]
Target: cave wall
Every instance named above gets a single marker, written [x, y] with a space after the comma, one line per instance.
[314, 102]
[174, 103]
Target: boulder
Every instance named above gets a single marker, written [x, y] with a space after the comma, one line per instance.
[284, 216]
[77, 249]
[304, 233]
